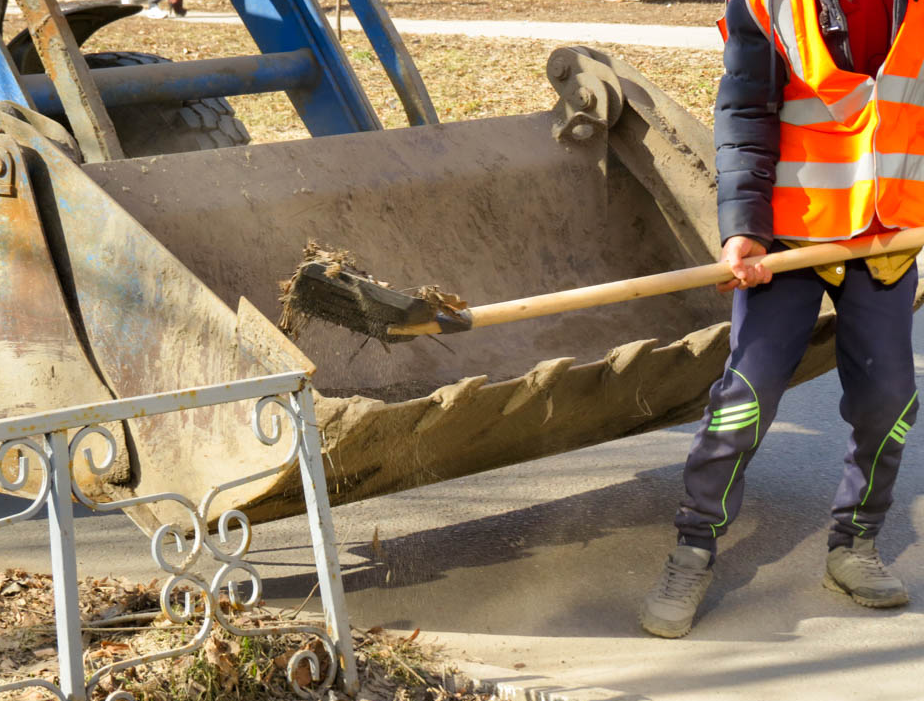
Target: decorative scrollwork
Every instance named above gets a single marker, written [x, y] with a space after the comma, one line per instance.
[189, 609]
[179, 617]
[26, 683]
[111, 445]
[188, 600]
[315, 666]
[22, 476]
[276, 433]
[313, 662]
[246, 531]
[120, 696]
[158, 547]
[222, 577]
[225, 522]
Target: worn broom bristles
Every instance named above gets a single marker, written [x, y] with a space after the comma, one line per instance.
[328, 285]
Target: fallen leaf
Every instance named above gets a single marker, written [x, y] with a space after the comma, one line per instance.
[303, 674]
[11, 589]
[445, 302]
[219, 654]
[107, 684]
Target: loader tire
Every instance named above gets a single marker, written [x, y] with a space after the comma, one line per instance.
[153, 129]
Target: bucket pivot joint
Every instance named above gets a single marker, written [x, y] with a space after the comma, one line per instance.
[591, 97]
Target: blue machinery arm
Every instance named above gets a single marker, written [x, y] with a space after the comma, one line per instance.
[335, 103]
[301, 55]
[396, 60]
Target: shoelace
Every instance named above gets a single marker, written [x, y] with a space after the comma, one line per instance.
[679, 582]
[871, 563]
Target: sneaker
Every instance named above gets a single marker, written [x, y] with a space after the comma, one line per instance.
[155, 13]
[858, 572]
[669, 608]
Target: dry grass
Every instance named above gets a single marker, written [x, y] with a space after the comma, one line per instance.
[223, 668]
[676, 12]
[467, 78]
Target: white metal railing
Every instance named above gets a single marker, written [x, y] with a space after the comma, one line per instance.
[45, 436]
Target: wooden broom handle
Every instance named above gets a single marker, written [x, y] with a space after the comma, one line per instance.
[675, 281]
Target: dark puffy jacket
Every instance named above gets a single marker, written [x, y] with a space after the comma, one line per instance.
[747, 130]
[747, 126]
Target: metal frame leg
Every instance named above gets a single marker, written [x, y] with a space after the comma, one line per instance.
[323, 539]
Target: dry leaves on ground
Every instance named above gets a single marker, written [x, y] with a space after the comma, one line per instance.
[247, 668]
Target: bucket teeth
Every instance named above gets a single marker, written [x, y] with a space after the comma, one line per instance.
[707, 340]
[448, 399]
[625, 356]
[538, 381]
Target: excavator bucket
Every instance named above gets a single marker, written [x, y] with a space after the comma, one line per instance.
[122, 278]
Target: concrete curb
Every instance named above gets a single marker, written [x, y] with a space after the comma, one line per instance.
[513, 685]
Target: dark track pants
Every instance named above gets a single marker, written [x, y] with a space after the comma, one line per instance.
[771, 327]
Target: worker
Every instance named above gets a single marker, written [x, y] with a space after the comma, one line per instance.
[817, 140]
[153, 10]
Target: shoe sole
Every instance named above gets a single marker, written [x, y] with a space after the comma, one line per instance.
[899, 599]
[657, 627]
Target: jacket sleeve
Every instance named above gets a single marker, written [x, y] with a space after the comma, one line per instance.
[747, 129]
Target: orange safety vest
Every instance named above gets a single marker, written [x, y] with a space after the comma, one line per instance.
[851, 147]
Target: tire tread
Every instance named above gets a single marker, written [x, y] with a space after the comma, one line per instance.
[153, 129]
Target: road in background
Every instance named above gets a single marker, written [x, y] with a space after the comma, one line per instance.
[707, 38]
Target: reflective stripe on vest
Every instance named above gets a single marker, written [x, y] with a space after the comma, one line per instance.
[837, 168]
[894, 88]
[813, 111]
[823, 176]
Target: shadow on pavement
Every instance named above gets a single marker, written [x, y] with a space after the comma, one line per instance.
[582, 564]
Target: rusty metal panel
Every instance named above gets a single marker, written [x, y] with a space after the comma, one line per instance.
[41, 351]
[68, 70]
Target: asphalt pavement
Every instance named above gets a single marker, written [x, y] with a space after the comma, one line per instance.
[542, 566]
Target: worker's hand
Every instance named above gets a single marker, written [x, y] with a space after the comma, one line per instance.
[735, 250]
